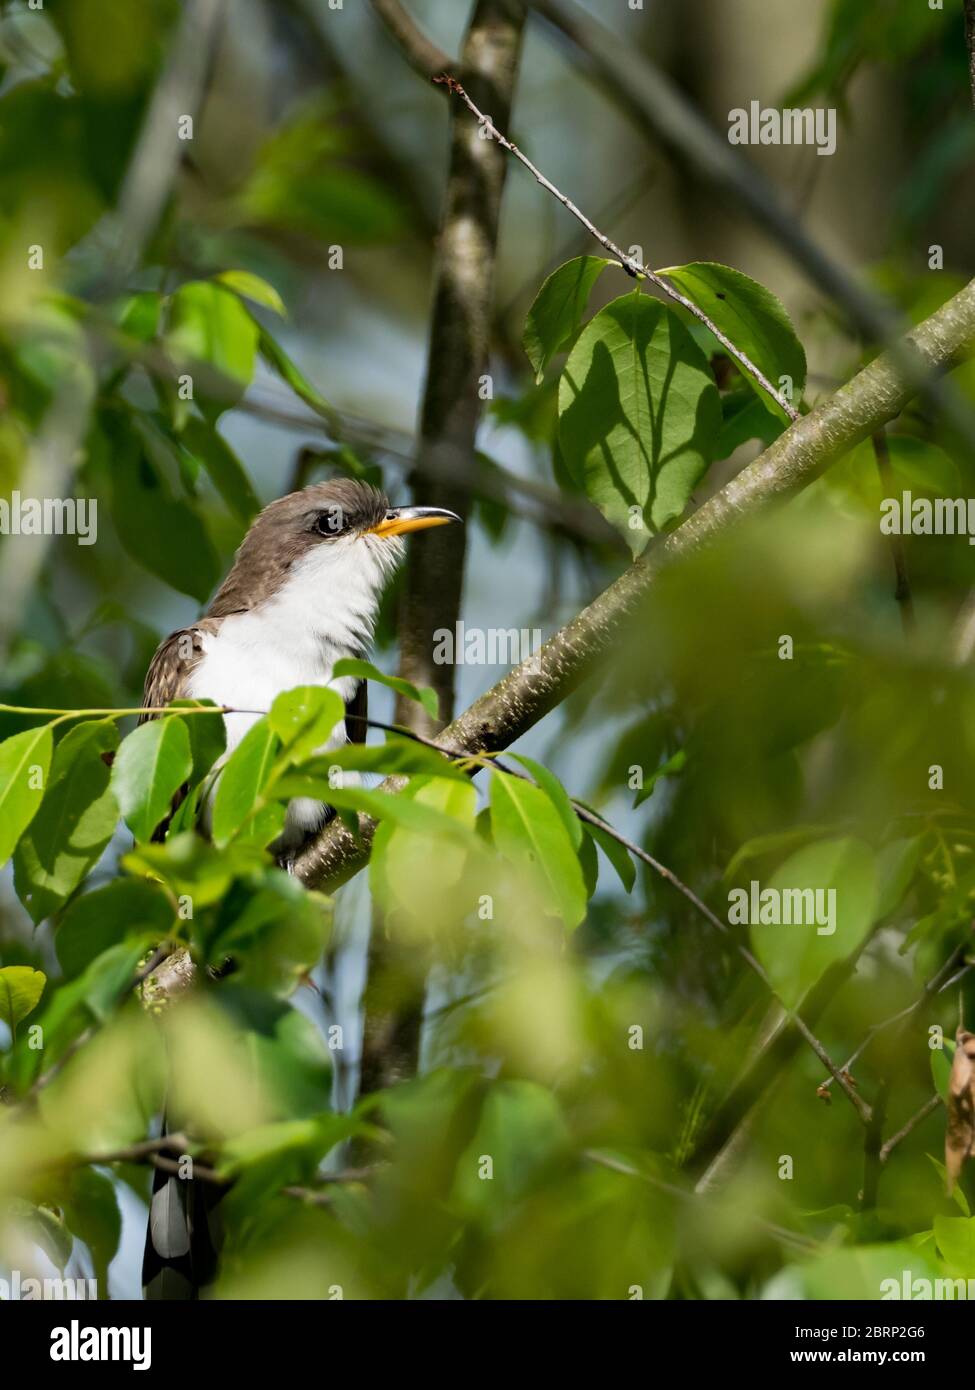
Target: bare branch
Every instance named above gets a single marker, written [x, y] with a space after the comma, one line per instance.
[928, 1108]
[628, 263]
[416, 47]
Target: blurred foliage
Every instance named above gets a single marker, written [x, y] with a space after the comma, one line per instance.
[762, 720]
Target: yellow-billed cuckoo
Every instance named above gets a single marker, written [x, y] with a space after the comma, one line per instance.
[303, 592]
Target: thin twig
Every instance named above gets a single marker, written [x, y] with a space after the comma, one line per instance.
[616, 1165]
[630, 264]
[928, 1108]
[421, 52]
[938, 983]
[970, 38]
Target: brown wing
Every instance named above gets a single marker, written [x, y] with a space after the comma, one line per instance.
[166, 679]
[356, 713]
[170, 668]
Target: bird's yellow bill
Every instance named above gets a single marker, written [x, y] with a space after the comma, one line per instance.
[403, 519]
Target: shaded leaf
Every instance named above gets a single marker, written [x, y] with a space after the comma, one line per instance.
[226, 471]
[423, 695]
[639, 415]
[75, 823]
[127, 907]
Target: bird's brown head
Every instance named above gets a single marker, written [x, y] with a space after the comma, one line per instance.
[342, 532]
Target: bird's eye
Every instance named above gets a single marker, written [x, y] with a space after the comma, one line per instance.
[330, 522]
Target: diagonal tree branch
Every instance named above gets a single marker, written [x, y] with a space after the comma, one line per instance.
[527, 693]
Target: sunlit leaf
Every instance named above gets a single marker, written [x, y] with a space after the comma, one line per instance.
[21, 988]
[558, 309]
[752, 317]
[151, 765]
[529, 831]
[24, 763]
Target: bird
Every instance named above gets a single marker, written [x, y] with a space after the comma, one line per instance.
[303, 593]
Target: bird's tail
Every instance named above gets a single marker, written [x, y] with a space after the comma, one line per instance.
[182, 1238]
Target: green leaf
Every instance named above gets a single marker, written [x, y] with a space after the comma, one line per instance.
[124, 908]
[92, 1214]
[752, 317]
[529, 832]
[276, 358]
[558, 309]
[208, 325]
[438, 828]
[639, 414]
[616, 853]
[745, 418]
[423, 695]
[860, 1272]
[147, 516]
[252, 286]
[397, 756]
[151, 765]
[25, 761]
[522, 1130]
[224, 467]
[138, 315]
[796, 954]
[21, 988]
[243, 780]
[207, 734]
[401, 809]
[956, 1241]
[75, 823]
[674, 764]
[305, 718]
[556, 793]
